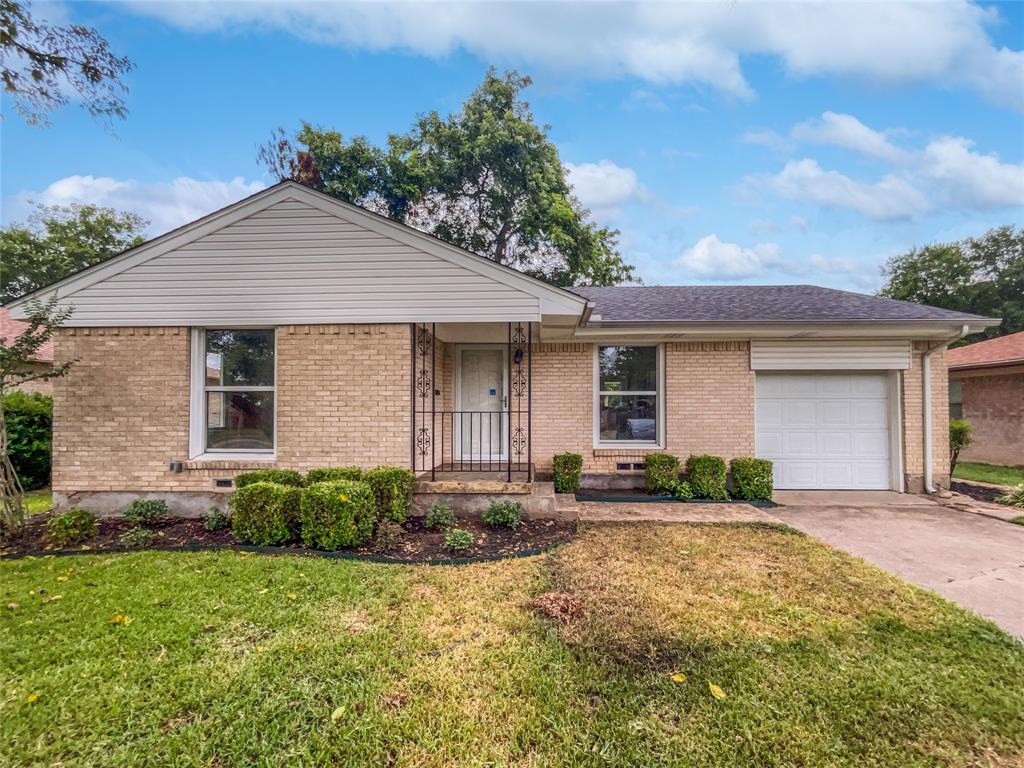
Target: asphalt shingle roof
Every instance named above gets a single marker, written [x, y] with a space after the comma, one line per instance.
[1002, 349]
[753, 303]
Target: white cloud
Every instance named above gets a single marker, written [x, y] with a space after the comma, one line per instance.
[641, 98]
[969, 179]
[712, 259]
[766, 138]
[806, 181]
[945, 44]
[602, 186]
[849, 132]
[165, 204]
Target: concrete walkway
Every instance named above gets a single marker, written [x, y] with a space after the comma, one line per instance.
[973, 560]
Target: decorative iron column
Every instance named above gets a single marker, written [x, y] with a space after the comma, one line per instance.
[423, 415]
[519, 401]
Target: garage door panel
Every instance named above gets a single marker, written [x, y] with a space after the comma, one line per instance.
[824, 430]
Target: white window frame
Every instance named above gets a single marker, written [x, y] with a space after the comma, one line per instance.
[659, 395]
[197, 450]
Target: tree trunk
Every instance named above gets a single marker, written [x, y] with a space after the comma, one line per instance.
[12, 495]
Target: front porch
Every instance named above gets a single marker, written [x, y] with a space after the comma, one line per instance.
[471, 412]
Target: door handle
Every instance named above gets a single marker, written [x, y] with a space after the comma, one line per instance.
[504, 402]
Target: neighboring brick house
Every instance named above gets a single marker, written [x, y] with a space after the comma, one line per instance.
[295, 330]
[986, 387]
[11, 329]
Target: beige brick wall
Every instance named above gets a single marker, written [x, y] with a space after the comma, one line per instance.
[913, 426]
[39, 386]
[994, 405]
[709, 399]
[122, 413]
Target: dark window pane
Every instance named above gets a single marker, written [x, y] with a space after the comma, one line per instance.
[629, 417]
[240, 421]
[240, 358]
[628, 369]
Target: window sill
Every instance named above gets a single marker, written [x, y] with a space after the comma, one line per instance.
[242, 457]
[609, 449]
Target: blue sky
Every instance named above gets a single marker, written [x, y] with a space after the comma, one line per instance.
[729, 142]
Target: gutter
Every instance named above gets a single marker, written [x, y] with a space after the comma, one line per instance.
[926, 409]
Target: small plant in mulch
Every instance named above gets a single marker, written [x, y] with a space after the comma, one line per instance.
[440, 516]
[458, 540]
[682, 491]
[504, 514]
[145, 511]
[217, 520]
[1014, 498]
[560, 606]
[71, 527]
[136, 536]
[388, 537]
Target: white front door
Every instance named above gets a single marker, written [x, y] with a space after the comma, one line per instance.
[825, 430]
[481, 403]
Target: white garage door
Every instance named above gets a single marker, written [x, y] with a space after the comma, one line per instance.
[825, 430]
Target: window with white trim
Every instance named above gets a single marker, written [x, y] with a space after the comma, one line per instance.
[233, 382]
[956, 400]
[627, 395]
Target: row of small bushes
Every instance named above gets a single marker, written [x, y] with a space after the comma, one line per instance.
[499, 514]
[706, 477]
[328, 508]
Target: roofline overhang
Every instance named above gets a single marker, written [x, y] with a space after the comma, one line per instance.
[994, 364]
[788, 329]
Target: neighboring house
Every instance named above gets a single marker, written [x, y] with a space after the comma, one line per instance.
[986, 387]
[294, 330]
[11, 329]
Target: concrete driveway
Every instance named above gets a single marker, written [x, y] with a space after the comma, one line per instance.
[975, 561]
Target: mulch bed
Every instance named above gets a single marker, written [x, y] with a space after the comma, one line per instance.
[978, 492]
[640, 496]
[418, 544]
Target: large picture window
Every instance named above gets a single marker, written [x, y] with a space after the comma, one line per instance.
[236, 390]
[627, 395]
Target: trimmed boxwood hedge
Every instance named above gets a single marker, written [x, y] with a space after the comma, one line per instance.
[661, 473]
[29, 425]
[338, 514]
[330, 474]
[568, 468]
[265, 513]
[752, 479]
[279, 476]
[392, 489]
[706, 475]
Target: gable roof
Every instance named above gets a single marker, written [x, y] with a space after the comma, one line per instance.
[10, 329]
[756, 303]
[290, 254]
[1002, 350]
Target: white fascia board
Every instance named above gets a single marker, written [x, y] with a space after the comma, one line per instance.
[792, 330]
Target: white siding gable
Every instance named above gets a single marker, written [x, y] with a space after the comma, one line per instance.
[874, 355]
[295, 256]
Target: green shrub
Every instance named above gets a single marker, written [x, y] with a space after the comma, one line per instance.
[71, 527]
[752, 479]
[217, 520]
[136, 537]
[145, 511]
[504, 514]
[440, 516]
[279, 476]
[706, 475]
[661, 473]
[568, 467]
[29, 427]
[959, 438]
[458, 540]
[682, 491]
[1014, 498]
[392, 489]
[388, 537]
[330, 474]
[265, 513]
[337, 514]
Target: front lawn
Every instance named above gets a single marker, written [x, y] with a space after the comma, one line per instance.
[988, 473]
[37, 502]
[225, 659]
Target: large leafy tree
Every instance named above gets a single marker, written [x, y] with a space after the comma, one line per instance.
[487, 178]
[60, 240]
[43, 66]
[983, 275]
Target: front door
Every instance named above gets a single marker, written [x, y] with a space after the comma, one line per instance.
[481, 403]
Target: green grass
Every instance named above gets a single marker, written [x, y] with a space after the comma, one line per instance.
[1019, 520]
[228, 659]
[988, 473]
[37, 502]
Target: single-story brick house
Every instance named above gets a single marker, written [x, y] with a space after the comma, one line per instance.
[986, 387]
[294, 330]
